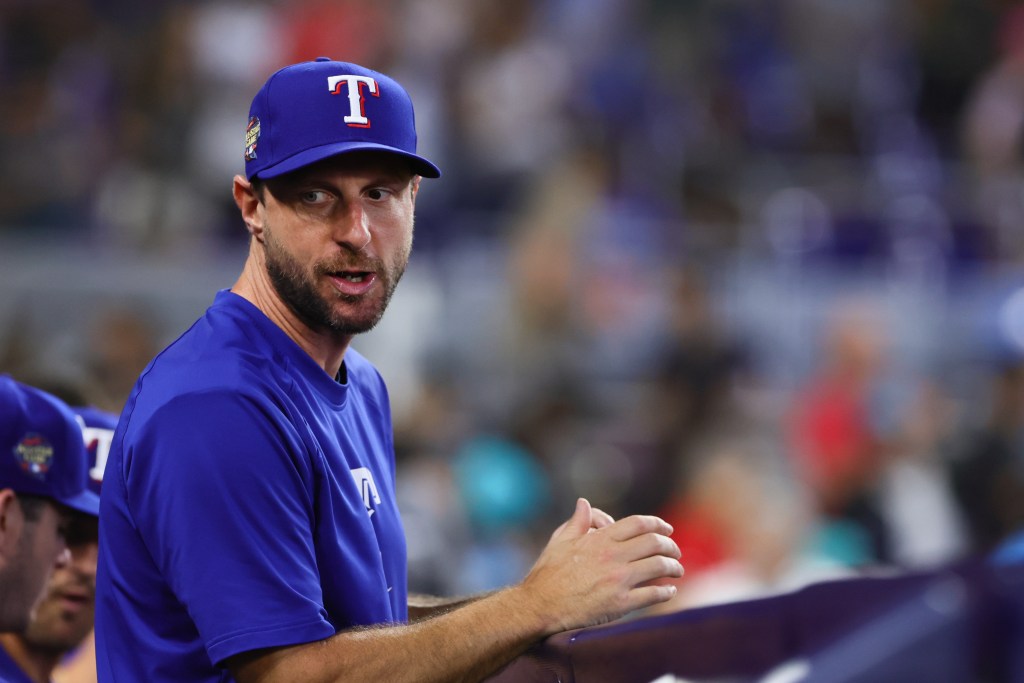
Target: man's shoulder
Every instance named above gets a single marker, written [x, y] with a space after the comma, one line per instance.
[10, 672]
[226, 341]
[218, 356]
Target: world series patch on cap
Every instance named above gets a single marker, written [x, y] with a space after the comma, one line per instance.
[314, 110]
[42, 451]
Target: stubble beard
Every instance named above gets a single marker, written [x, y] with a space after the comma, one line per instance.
[53, 633]
[24, 577]
[298, 290]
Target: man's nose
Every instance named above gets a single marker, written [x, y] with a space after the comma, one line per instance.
[85, 558]
[353, 227]
[63, 558]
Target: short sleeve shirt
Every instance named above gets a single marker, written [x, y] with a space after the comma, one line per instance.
[9, 671]
[248, 502]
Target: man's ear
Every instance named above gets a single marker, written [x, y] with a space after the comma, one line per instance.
[11, 522]
[248, 203]
[415, 186]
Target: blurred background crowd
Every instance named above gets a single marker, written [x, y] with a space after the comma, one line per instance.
[753, 265]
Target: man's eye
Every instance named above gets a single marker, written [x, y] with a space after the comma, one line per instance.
[314, 196]
[378, 193]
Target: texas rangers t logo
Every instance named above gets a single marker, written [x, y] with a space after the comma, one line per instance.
[354, 89]
[367, 488]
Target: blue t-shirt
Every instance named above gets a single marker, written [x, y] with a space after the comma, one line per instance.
[248, 502]
[9, 671]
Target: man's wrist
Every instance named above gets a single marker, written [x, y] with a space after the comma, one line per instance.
[534, 614]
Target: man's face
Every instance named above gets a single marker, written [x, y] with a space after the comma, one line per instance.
[337, 239]
[42, 548]
[65, 615]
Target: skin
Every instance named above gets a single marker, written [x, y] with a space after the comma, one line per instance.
[64, 617]
[350, 214]
[354, 214]
[29, 553]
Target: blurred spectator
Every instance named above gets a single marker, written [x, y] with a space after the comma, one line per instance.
[122, 342]
[509, 102]
[837, 448]
[743, 523]
[346, 30]
[914, 484]
[993, 132]
[988, 471]
[700, 362]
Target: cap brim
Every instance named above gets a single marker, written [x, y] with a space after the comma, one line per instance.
[86, 501]
[420, 166]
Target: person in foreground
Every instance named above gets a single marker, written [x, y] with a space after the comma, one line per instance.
[249, 523]
[57, 643]
[64, 617]
[42, 484]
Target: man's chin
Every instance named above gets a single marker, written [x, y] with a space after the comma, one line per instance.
[357, 322]
[59, 637]
[352, 326]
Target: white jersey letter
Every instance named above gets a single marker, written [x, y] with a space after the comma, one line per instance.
[100, 439]
[367, 488]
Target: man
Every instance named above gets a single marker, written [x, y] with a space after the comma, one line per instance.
[249, 519]
[64, 617]
[42, 481]
[57, 640]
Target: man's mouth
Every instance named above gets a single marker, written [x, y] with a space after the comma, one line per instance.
[353, 276]
[353, 282]
[73, 599]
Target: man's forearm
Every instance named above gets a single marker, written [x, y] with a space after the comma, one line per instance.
[464, 645]
[591, 571]
[422, 606]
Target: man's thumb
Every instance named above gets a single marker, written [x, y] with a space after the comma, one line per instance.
[579, 524]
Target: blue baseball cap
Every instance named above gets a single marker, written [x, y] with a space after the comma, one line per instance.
[42, 452]
[310, 111]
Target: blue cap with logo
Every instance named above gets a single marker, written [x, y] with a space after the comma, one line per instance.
[42, 451]
[310, 111]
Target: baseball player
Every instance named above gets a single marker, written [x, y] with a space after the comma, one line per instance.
[249, 523]
[42, 483]
[57, 641]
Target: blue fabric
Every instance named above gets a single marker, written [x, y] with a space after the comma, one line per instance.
[1010, 551]
[9, 671]
[41, 447]
[314, 110]
[248, 502]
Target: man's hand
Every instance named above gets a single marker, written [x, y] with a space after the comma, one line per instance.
[595, 569]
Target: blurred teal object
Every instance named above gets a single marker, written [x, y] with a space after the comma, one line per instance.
[842, 541]
[502, 485]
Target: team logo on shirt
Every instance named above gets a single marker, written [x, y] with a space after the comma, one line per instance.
[367, 488]
[34, 455]
[97, 442]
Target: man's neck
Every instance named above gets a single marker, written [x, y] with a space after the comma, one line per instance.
[37, 665]
[253, 286]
